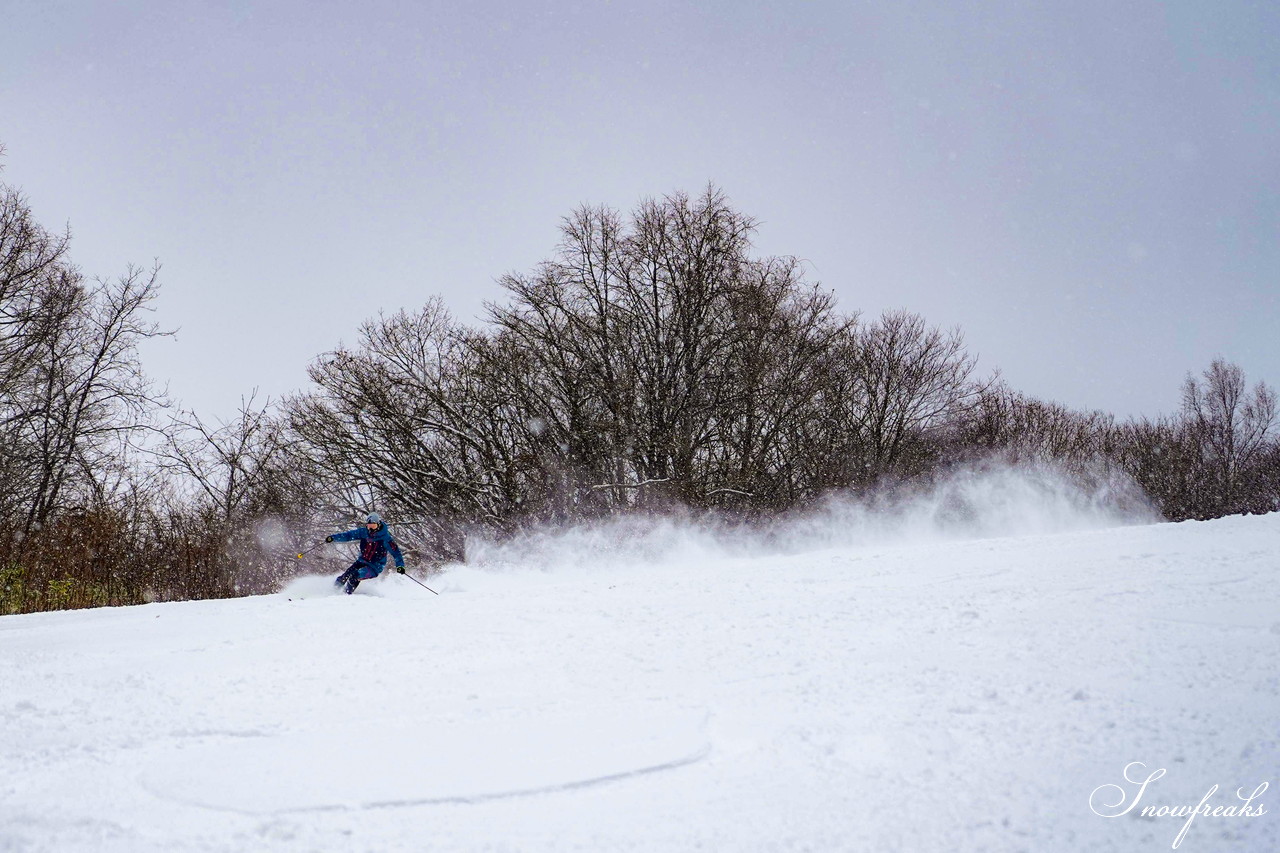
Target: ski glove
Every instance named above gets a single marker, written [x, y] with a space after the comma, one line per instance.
[400, 569]
[328, 538]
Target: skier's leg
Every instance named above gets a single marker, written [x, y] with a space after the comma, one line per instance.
[345, 578]
[351, 577]
[361, 572]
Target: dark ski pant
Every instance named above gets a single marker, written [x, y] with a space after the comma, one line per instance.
[358, 571]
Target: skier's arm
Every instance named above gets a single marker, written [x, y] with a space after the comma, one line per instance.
[348, 535]
[395, 553]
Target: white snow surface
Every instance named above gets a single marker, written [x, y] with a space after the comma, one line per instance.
[921, 694]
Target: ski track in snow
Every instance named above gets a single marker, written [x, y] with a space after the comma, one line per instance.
[965, 695]
[453, 763]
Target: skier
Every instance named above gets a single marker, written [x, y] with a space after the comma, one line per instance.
[375, 541]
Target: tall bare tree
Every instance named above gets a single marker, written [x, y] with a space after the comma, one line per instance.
[89, 394]
[1232, 424]
[902, 383]
[39, 294]
[629, 331]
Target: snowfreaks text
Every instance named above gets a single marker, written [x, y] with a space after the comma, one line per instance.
[1100, 802]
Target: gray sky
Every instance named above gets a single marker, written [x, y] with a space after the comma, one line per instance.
[1091, 190]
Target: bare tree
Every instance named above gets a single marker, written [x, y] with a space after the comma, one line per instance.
[1232, 424]
[1019, 426]
[89, 395]
[773, 387]
[407, 421]
[629, 331]
[1163, 457]
[902, 382]
[39, 294]
[227, 461]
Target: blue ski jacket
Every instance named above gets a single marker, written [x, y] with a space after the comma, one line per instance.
[374, 547]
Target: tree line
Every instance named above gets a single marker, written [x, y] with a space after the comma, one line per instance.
[652, 364]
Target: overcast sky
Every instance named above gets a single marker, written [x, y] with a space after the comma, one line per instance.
[1091, 190]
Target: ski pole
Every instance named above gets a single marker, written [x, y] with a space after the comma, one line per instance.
[309, 550]
[420, 583]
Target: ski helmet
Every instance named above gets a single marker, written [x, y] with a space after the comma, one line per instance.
[373, 518]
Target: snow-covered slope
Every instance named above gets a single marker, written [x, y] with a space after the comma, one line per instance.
[951, 695]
